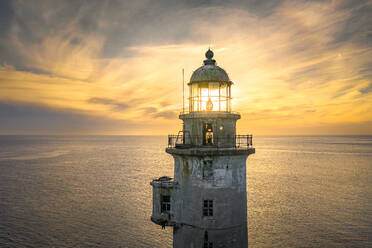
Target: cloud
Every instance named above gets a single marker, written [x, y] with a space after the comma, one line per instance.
[169, 115]
[23, 119]
[366, 89]
[298, 62]
[33, 119]
[117, 106]
[149, 110]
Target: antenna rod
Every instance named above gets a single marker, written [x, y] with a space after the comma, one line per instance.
[183, 90]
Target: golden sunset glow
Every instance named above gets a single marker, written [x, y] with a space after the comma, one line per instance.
[303, 68]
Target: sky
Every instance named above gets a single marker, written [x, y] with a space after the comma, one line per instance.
[115, 67]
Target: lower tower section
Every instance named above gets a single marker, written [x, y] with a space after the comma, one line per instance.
[206, 202]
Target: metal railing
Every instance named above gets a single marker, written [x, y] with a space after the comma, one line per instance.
[174, 140]
[235, 141]
[186, 111]
[243, 140]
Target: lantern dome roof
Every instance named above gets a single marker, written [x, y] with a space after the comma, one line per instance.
[209, 72]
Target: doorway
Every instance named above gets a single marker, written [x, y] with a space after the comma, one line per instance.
[207, 134]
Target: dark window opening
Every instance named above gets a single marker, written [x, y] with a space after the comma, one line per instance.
[208, 208]
[207, 170]
[207, 243]
[207, 134]
[165, 203]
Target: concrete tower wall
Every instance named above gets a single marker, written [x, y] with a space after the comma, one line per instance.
[190, 237]
[218, 178]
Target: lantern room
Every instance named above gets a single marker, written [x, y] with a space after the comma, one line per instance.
[210, 88]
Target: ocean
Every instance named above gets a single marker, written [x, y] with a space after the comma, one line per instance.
[94, 191]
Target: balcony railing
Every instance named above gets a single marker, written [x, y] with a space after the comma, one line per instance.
[186, 111]
[236, 141]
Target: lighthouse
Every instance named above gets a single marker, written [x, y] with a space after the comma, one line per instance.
[206, 200]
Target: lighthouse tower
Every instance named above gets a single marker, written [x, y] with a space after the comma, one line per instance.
[206, 200]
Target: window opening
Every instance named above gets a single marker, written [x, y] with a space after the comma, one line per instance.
[208, 208]
[165, 203]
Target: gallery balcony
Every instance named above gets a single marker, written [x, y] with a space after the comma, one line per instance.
[219, 145]
[163, 201]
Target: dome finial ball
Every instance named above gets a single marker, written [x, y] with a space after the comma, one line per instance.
[209, 54]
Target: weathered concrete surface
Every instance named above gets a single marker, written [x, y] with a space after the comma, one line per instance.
[226, 187]
[223, 124]
[193, 237]
[161, 187]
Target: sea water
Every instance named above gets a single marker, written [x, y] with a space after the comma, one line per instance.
[94, 191]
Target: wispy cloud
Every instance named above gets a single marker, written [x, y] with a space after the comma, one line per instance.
[116, 105]
[294, 63]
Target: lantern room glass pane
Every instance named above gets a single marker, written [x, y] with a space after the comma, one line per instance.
[223, 106]
[210, 96]
[204, 98]
[194, 98]
[223, 90]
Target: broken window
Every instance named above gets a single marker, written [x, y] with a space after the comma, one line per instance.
[208, 208]
[165, 203]
[208, 134]
[207, 243]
